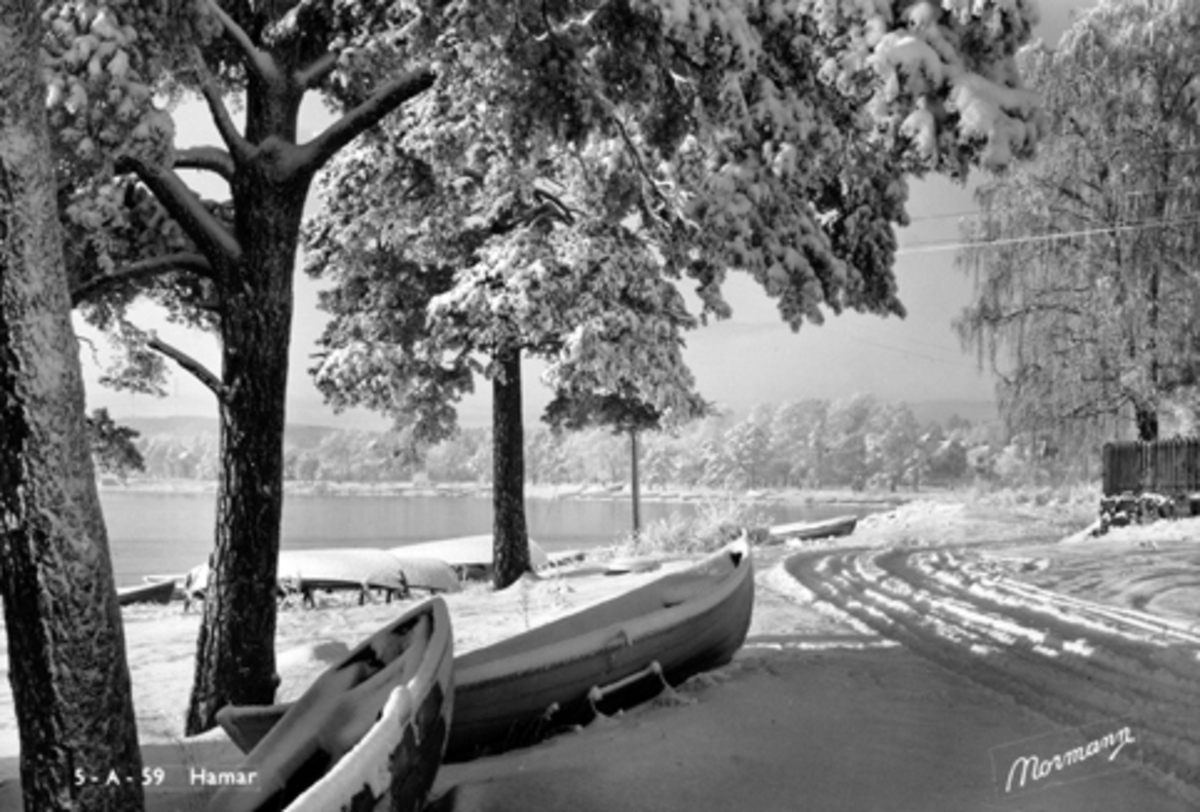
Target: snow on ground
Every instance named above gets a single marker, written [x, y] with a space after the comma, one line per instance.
[1062, 653]
[914, 665]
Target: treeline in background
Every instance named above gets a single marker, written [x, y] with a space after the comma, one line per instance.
[861, 443]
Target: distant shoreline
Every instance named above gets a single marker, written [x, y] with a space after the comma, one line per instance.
[796, 496]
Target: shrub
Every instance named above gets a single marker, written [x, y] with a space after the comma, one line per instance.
[715, 523]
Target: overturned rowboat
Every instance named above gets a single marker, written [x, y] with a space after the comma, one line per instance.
[349, 568]
[159, 592]
[471, 556]
[810, 531]
[368, 733]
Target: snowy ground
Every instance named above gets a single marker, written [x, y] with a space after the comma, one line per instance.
[918, 664]
[1078, 663]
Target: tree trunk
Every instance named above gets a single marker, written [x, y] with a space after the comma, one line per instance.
[66, 645]
[510, 536]
[235, 658]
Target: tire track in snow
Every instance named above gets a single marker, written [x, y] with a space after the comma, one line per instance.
[1071, 660]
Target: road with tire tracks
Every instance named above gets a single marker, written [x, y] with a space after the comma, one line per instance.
[1074, 661]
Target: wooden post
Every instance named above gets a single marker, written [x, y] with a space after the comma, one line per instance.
[633, 449]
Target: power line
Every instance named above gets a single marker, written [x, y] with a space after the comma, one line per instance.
[956, 245]
[940, 346]
[979, 213]
[911, 354]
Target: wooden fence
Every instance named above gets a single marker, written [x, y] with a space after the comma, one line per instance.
[1167, 467]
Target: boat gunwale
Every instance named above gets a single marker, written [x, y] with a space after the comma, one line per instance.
[402, 704]
[783, 531]
[268, 759]
[713, 641]
[158, 592]
[628, 631]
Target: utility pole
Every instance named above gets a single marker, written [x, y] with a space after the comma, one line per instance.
[637, 518]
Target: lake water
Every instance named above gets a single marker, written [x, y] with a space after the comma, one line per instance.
[157, 533]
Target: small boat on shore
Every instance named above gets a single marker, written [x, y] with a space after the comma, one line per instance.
[621, 566]
[350, 568]
[518, 690]
[809, 531]
[368, 733]
[159, 592]
[470, 555]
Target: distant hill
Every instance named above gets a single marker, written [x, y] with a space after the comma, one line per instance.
[190, 426]
[301, 435]
[297, 435]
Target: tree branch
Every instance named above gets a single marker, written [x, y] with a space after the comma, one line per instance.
[318, 71]
[314, 154]
[209, 159]
[256, 59]
[142, 270]
[190, 364]
[664, 216]
[239, 148]
[91, 345]
[211, 236]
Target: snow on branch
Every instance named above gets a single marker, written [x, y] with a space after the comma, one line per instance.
[239, 148]
[318, 71]
[185, 262]
[389, 97]
[216, 242]
[923, 58]
[256, 59]
[1002, 115]
[210, 159]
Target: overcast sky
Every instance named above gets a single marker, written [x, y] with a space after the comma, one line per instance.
[749, 359]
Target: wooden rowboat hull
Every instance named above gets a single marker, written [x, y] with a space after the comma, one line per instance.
[350, 568]
[515, 692]
[160, 592]
[247, 725]
[395, 764]
[368, 734]
[808, 531]
[466, 552]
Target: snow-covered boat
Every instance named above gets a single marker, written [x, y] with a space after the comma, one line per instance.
[808, 531]
[153, 592]
[470, 555]
[368, 733]
[350, 568]
[515, 691]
